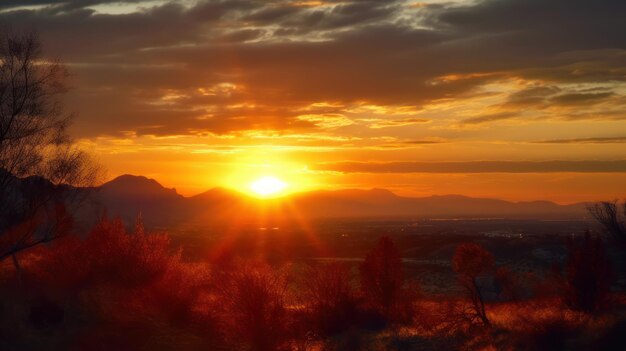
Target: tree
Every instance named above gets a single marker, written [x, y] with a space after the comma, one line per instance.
[588, 274]
[330, 299]
[471, 261]
[382, 278]
[39, 162]
[606, 213]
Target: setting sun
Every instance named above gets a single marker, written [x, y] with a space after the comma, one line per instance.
[268, 186]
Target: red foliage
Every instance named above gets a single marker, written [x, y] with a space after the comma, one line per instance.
[107, 256]
[382, 277]
[472, 260]
[253, 300]
[132, 284]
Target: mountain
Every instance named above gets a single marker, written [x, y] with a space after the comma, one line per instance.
[129, 195]
[386, 204]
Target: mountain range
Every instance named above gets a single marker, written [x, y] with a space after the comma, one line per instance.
[128, 195]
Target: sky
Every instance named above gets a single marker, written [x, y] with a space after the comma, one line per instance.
[512, 99]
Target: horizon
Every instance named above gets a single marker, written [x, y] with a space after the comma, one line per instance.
[287, 195]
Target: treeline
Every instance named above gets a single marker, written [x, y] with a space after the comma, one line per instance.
[117, 289]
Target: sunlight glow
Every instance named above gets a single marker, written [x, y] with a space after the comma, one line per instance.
[268, 186]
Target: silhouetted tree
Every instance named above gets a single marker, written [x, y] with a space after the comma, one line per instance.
[34, 143]
[588, 274]
[471, 261]
[607, 214]
[254, 298]
[382, 277]
[330, 297]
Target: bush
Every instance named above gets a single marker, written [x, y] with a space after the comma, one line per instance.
[588, 275]
[109, 255]
[545, 325]
[329, 297]
[254, 312]
[133, 289]
[382, 277]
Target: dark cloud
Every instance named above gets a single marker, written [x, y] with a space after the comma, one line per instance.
[490, 117]
[287, 56]
[271, 14]
[597, 140]
[540, 26]
[617, 166]
[581, 98]
[425, 142]
[547, 96]
[7, 4]
[531, 96]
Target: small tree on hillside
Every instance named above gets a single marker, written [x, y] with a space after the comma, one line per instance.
[471, 261]
[588, 274]
[382, 278]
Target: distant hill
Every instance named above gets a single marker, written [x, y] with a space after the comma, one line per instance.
[128, 195]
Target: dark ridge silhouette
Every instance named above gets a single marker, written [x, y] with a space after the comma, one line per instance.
[127, 195]
[138, 186]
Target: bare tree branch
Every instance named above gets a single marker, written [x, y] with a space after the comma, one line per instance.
[39, 162]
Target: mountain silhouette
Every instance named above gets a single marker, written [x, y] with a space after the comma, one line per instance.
[127, 195]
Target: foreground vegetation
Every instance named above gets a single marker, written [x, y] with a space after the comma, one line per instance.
[129, 290]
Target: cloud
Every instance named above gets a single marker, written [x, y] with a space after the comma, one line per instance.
[581, 98]
[388, 123]
[490, 118]
[409, 144]
[597, 140]
[328, 120]
[425, 142]
[285, 56]
[617, 166]
[531, 96]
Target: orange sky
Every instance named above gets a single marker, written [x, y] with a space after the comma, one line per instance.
[413, 96]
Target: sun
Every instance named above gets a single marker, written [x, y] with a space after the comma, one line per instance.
[268, 186]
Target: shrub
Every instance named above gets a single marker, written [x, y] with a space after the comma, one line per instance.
[109, 255]
[329, 298]
[382, 278]
[588, 274]
[254, 312]
[544, 325]
[132, 289]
